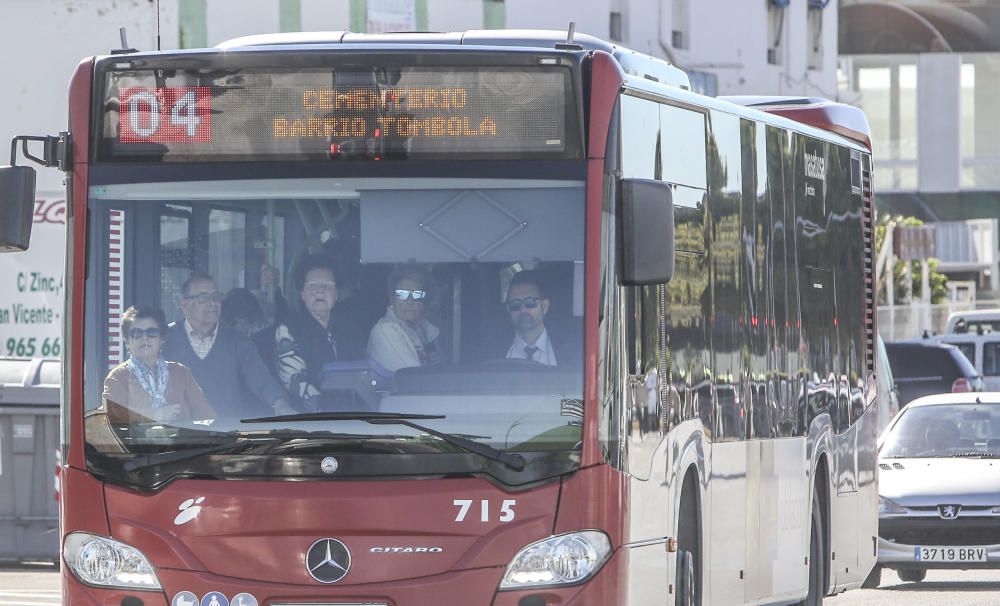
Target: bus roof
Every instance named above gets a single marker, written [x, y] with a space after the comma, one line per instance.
[642, 71]
[632, 62]
[845, 120]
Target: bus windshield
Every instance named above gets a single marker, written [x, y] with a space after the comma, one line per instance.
[215, 302]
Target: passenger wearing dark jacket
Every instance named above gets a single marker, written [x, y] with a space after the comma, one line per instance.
[223, 361]
[308, 340]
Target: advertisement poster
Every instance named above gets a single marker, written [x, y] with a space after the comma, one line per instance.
[391, 16]
[31, 287]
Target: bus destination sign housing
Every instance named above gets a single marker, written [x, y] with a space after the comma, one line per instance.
[372, 112]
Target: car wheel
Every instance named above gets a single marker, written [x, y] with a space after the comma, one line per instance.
[911, 575]
[873, 579]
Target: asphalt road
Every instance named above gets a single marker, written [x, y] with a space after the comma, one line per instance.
[30, 587]
[40, 587]
[940, 588]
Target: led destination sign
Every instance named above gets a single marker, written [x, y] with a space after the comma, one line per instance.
[330, 114]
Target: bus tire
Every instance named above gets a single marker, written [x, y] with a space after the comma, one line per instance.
[685, 579]
[873, 579]
[688, 550]
[817, 555]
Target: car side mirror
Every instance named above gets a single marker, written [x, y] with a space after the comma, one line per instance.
[647, 231]
[17, 205]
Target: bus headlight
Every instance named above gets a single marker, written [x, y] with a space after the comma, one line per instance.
[104, 562]
[887, 506]
[560, 560]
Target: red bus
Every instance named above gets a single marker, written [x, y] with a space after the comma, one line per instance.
[564, 331]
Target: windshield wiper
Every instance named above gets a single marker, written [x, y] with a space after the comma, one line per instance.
[510, 459]
[188, 453]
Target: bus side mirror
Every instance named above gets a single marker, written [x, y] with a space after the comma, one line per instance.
[17, 205]
[647, 232]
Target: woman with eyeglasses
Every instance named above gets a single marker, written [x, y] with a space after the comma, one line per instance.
[308, 340]
[146, 387]
[403, 337]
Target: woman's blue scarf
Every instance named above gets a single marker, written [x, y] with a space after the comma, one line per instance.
[152, 380]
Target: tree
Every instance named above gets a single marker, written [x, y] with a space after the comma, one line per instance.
[903, 290]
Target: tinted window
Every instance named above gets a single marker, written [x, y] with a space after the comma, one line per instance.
[922, 361]
[962, 364]
[991, 359]
[967, 349]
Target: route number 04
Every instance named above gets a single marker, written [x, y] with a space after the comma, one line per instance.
[464, 505]
[165, 115]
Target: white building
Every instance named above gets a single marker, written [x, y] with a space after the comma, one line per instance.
[781, 47]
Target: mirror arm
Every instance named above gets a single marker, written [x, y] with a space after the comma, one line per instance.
[55, 150]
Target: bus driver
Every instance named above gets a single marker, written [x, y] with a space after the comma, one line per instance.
[527, 306]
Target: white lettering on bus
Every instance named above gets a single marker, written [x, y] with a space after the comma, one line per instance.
[815, 166]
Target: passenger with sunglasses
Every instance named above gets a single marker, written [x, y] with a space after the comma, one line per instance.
[146, 387]
[527, 306]
[404, 337]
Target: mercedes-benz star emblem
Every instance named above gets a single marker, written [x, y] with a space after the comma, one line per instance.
[949, 512]
[328, 560]
[329, 465]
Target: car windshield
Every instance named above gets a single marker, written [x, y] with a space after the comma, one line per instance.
[951, 430]
[212, 303]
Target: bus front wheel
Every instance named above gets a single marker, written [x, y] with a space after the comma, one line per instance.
[817, 555]
[688, 550]
[685, 579]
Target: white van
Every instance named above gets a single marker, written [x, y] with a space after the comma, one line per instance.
[973, 322]
[983, 350]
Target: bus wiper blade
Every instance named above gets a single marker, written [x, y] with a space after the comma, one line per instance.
[510, 459]
[337, 416]
[188, 453]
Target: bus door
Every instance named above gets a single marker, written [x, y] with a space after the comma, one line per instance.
[729, 448]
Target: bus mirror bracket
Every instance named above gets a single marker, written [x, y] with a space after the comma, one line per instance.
[647, 231]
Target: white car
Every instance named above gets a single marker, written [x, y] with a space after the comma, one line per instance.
[939, 488]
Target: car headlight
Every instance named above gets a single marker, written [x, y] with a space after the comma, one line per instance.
[887, 506]
[103, 562]
[560, 560]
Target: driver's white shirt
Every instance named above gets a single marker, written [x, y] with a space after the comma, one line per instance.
[544, 355]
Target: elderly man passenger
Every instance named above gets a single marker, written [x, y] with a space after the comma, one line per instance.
[224, 361]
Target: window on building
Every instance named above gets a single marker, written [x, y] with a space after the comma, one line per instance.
[885, 87]
[775, 30]
[615, 25]
[680, 28]
[814, 40]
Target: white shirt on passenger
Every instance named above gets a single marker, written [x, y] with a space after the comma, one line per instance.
[543, 353]
[200, 344]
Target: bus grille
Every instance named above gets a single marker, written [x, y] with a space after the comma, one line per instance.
[869, 243]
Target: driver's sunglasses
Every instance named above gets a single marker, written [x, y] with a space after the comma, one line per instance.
[527, 303]
[138, 333]
[206, 297]
[417, 295]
